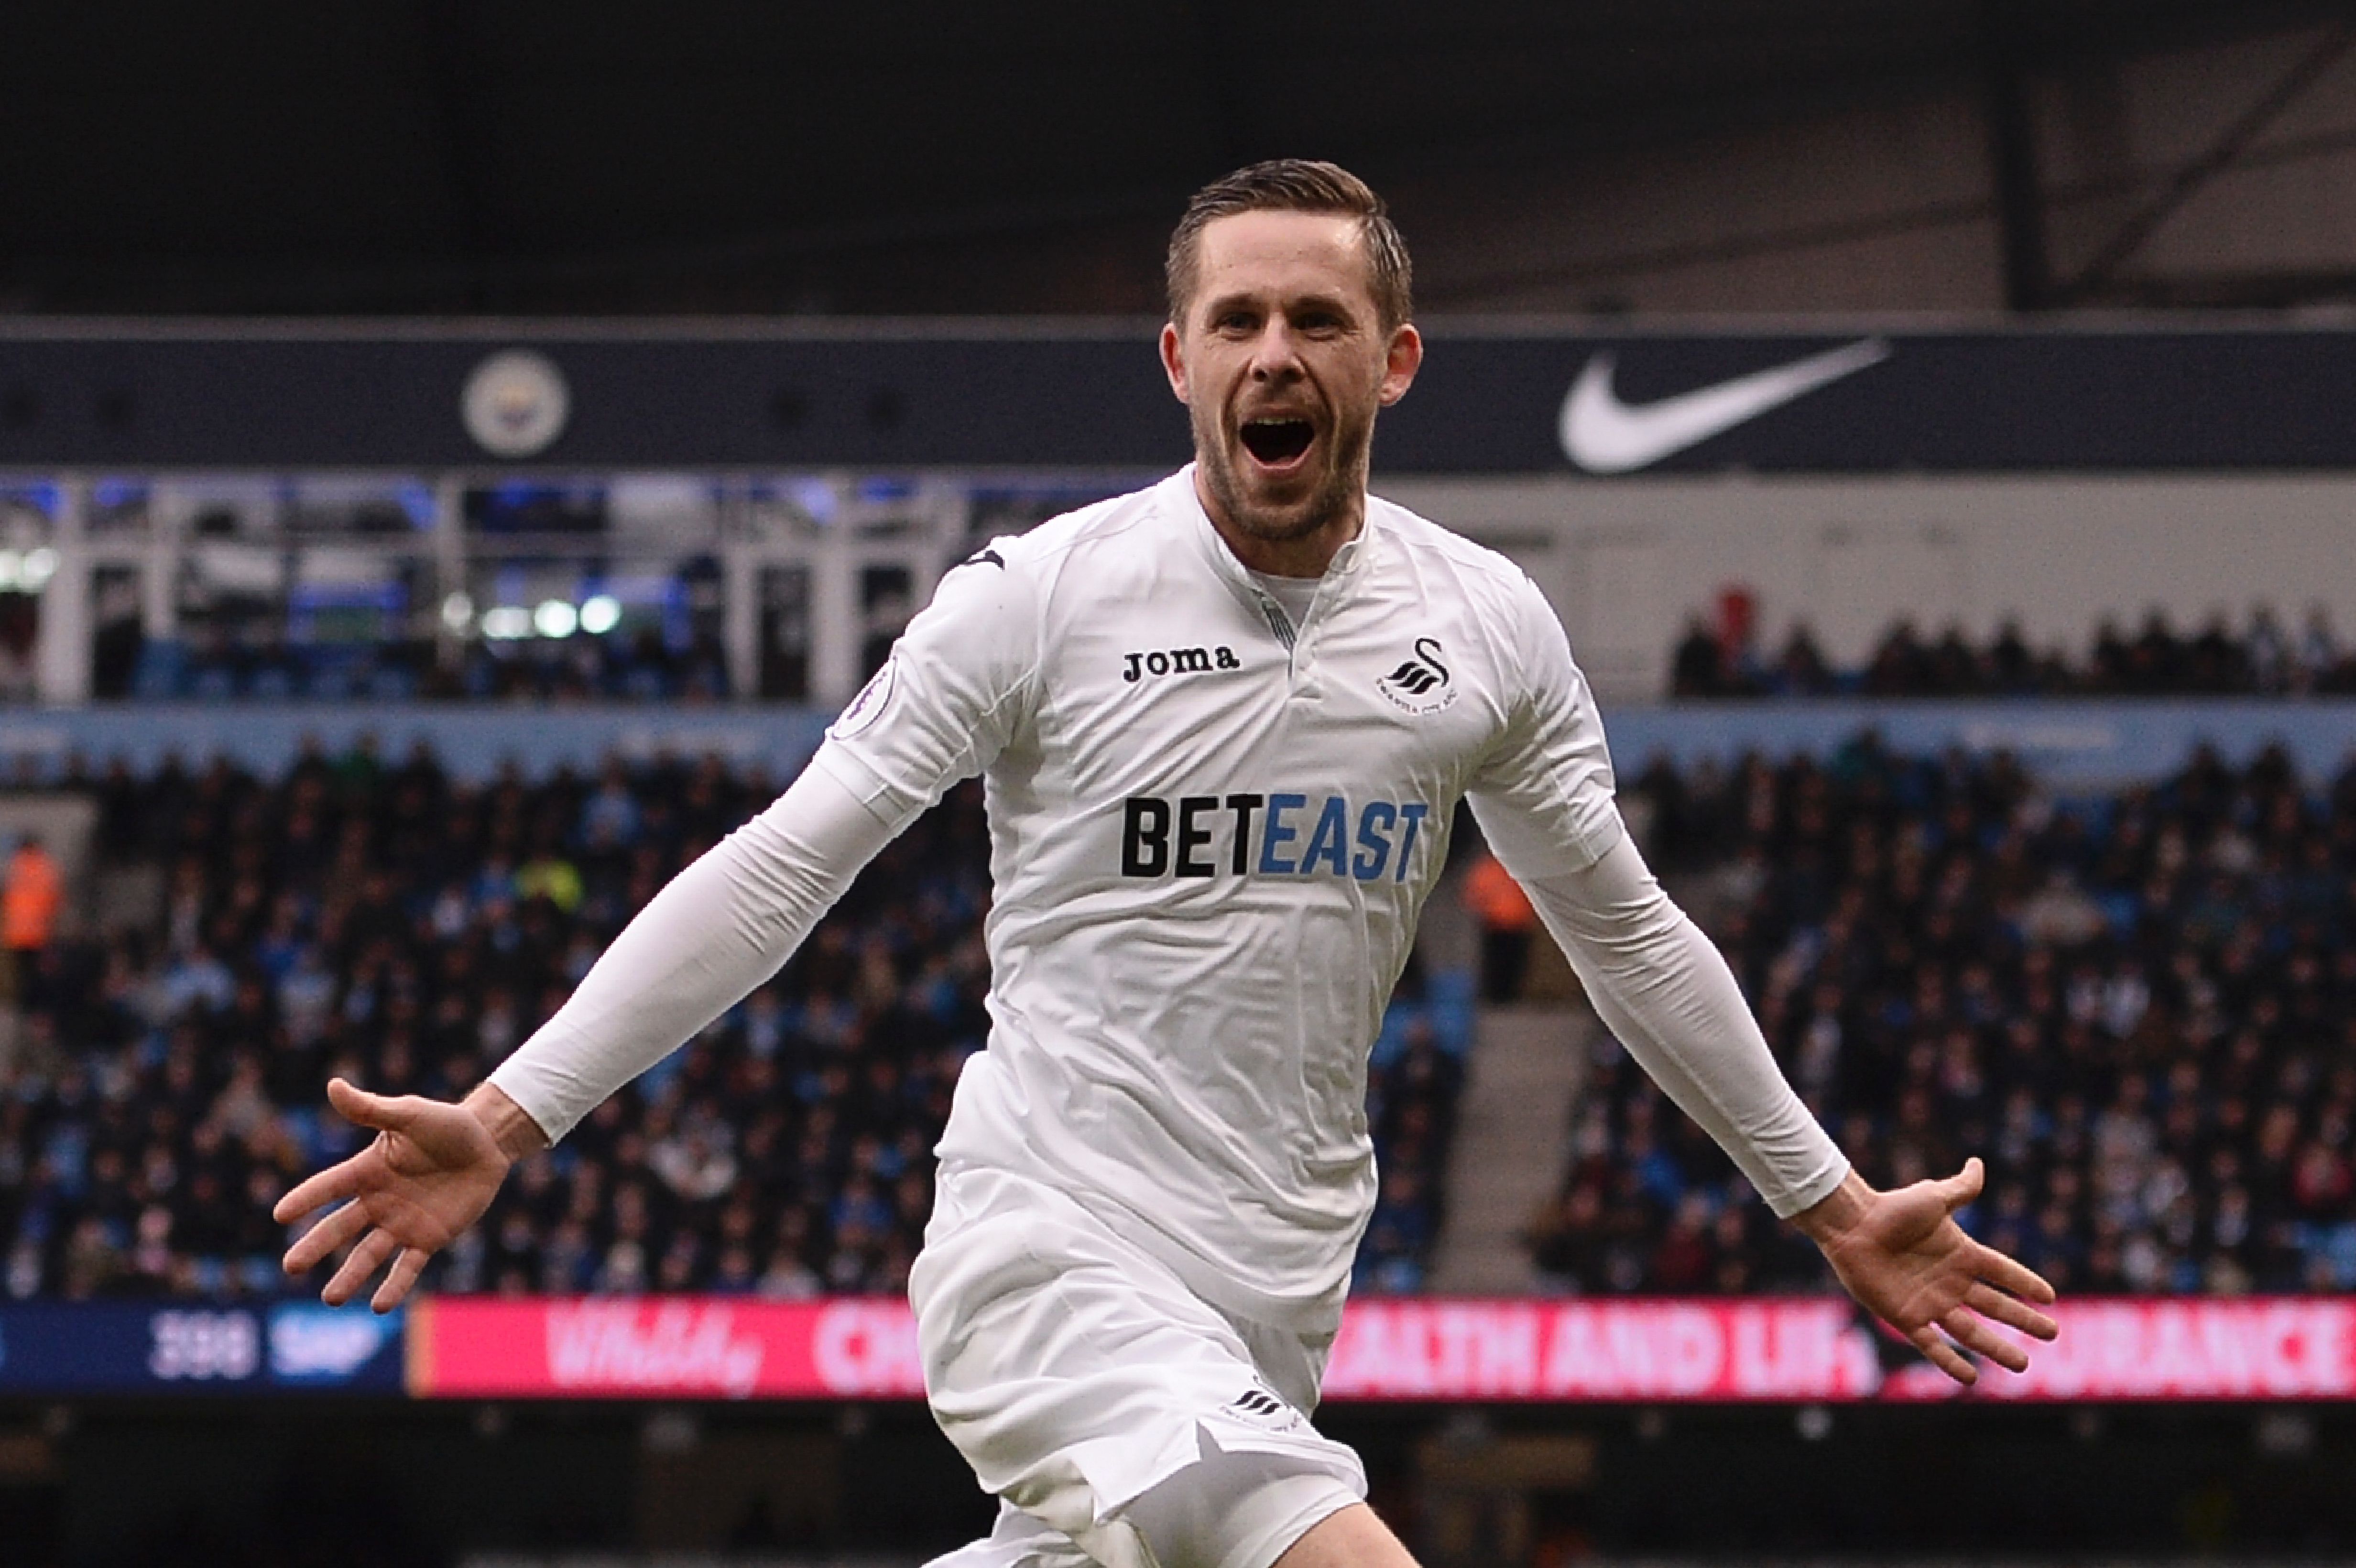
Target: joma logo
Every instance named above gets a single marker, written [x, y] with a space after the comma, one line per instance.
[1180, 661]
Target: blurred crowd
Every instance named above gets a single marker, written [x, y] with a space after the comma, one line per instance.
[2264, 658]
[2136, 1006]
[2139, 1008]
[382, 921]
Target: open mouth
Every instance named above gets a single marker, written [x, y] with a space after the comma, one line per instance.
[1278, 441]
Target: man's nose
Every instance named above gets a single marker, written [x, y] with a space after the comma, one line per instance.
[1275, 352]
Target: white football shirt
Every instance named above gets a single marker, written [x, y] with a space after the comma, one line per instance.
[1212, 830]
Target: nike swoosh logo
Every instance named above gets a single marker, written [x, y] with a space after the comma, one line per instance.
[1604, 435]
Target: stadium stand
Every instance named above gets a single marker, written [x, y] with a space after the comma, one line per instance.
[382, 921]
[641, 667]
[2156, 660]
[2134, 1005]
[2127, 1001]
[2264, 659]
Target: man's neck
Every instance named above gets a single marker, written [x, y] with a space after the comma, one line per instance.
[1307, 556]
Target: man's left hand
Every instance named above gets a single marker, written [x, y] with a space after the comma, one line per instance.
[1903, 1256]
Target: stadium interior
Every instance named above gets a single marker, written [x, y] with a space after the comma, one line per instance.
[455, 462]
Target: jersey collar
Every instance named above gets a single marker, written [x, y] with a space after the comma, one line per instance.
[1181, 501]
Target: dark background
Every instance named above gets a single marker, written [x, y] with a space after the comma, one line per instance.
[339, 1484]
[530, 156]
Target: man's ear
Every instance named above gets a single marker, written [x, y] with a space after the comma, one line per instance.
[1404, 358]
[1173, 361]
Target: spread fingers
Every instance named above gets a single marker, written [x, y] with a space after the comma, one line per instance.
[339, 1230]
[2013, 1278]
[1944, 1355]
[404, 1272]
[1975, 1334]
[337, 1182]
[2013, 1313]
[365, 1260]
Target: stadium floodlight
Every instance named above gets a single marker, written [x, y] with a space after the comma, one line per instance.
[507, 621]
[458, 613]
[600, 613]
[555, 618]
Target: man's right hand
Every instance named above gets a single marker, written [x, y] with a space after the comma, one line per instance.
[430, 1172]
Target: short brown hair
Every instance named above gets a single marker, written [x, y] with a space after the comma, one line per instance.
[1296, 185]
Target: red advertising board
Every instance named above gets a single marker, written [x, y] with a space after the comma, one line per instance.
[1410, 1349]
[664, 1347]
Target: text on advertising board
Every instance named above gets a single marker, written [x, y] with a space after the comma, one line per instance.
[1412, 1348]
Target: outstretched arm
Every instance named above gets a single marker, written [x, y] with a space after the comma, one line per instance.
[719, 929]
[1545, 801]
[956, 688]
[1667, 993]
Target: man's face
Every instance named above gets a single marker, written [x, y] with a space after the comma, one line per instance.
[1282, 361]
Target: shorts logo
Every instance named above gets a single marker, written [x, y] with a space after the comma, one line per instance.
[1420, 684]
[1259, 1402]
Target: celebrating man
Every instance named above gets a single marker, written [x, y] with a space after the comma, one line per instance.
[1224, 724]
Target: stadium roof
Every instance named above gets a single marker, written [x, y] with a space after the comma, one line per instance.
[529, 156]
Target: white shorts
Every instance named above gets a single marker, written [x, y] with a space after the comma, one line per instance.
[1077, 1375]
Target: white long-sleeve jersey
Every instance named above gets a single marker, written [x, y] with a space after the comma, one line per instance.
[1212, 831]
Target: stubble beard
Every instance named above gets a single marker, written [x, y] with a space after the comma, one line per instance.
[1340, 492]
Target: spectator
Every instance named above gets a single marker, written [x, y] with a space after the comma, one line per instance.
[30, 901]
[1508, 922]
[34, 896]
[2011, 667]
[2267, 655]
[1698, 666]
[1902, 665]
[2319, 653]
[1800, 669]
